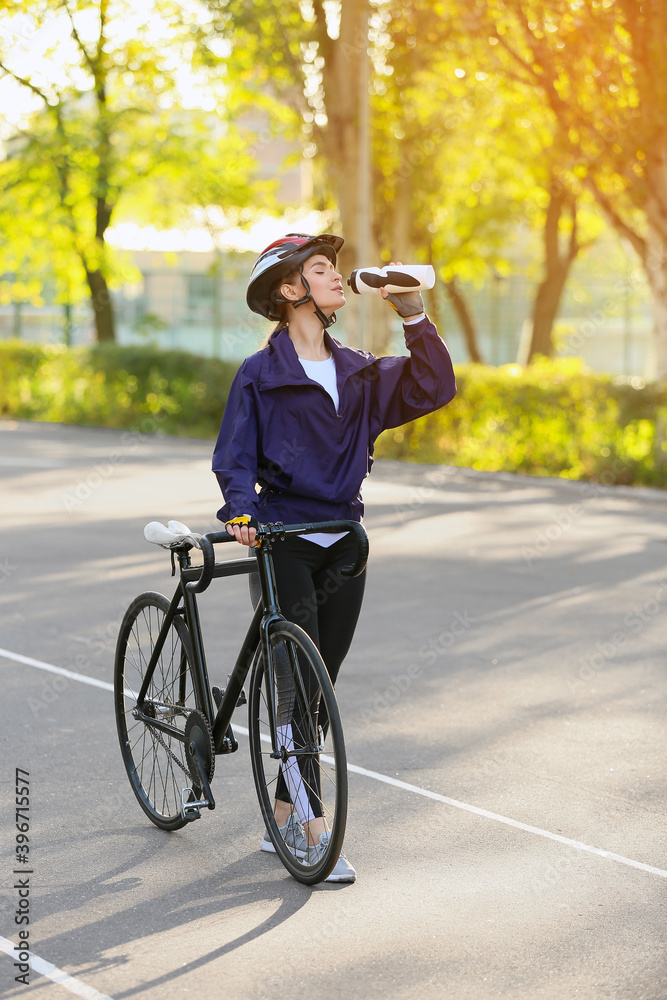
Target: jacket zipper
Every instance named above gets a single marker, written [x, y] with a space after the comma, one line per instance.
[322, 389]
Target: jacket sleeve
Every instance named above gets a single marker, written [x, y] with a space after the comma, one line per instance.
[235, 454]
[406, 388]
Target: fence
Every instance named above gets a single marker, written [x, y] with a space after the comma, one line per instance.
[198, 305]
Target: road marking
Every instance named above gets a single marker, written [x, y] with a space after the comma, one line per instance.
[388, 780]
[55, 974]
[427, 793]
[82, 678]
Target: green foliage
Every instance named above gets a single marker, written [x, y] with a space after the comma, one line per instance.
[600, 69]
[120, 134]
[550, 419]
[137, 388]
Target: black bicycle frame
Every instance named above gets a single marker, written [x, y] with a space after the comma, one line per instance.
[184, 603]
[195, 579]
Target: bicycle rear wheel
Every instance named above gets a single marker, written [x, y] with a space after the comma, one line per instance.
[155, 760]
[310, 744]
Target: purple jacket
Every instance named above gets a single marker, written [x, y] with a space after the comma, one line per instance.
[281, 430]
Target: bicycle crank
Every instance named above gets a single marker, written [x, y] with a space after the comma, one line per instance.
[200, 757]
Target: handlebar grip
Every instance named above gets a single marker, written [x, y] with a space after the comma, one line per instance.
[362, 550]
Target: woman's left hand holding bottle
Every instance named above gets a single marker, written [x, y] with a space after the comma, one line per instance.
[408, 305]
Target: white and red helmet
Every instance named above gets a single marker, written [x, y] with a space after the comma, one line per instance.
[281, 258]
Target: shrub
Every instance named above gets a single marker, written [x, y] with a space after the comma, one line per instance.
[553, 418]
[113, 386]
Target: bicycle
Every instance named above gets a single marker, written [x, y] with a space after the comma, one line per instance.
[172, 725]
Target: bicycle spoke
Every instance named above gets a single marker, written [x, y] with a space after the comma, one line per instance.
[155, 761]
[318, 792]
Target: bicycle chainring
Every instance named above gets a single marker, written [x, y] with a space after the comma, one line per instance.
[198, 734]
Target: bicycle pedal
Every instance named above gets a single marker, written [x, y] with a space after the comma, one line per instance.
[218, 693]
[191, 810]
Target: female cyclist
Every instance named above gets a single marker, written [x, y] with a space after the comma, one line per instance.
[301, 421]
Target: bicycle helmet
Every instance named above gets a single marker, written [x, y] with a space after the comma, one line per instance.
[281, 258]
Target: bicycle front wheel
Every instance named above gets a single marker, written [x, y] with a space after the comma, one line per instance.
[308, 768]
[153, 747]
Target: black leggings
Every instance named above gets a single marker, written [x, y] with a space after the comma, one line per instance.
[312, 593]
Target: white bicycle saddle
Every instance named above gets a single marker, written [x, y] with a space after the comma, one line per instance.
[175, 533]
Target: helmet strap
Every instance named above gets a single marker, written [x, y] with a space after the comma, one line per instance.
[325, 320]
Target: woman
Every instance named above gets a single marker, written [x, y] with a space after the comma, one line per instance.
[301, 421]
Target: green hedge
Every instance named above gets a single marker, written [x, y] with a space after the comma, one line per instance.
[138, 388]
[551, 419]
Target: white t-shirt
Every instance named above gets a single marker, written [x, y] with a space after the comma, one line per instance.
[324, 373]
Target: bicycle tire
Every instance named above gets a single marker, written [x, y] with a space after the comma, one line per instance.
[332, 794]
[156, 779]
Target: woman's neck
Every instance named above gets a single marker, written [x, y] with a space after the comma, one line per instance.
[307, 334]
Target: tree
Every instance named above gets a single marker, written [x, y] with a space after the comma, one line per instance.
[107, 125]
[601, 69]
[558, 261]
[471, 159]
[309, 57]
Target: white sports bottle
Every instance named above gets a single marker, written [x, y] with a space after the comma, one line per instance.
[395, 278]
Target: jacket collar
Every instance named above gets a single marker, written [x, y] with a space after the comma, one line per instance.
[280, 364]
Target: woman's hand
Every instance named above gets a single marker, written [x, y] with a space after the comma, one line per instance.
[242, 529]
[407, 304]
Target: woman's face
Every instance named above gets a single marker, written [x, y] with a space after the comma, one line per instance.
[326, 284]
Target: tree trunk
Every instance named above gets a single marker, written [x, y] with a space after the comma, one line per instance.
[652, 251]
[557, 267]
[68, 324]
[656, 272]
[105, 326]
[432, 299]
[465, 318]
[339, 142]
[17, 326]
[545, 310]
[403, 219]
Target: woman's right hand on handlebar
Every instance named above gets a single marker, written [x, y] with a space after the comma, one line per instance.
[243, 528]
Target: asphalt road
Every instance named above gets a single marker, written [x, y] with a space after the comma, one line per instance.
[509, 662]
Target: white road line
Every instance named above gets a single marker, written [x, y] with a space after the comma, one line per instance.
[56, 975]
[387, 780]
[82, 678]
[416, 790]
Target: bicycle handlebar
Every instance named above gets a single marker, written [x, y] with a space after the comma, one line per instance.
[273, 532]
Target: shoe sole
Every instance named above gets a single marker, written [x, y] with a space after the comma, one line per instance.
[268, 847]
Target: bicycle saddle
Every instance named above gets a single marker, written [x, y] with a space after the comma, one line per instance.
[174, 534]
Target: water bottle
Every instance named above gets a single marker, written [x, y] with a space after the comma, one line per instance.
[395, 278]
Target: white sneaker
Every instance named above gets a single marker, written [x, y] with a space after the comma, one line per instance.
[343, 870]
[294, 836]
